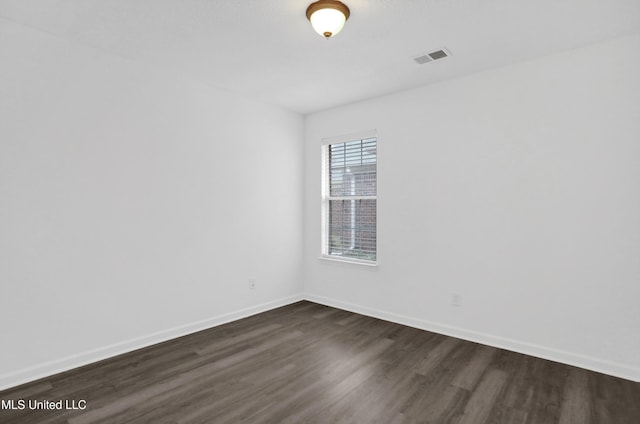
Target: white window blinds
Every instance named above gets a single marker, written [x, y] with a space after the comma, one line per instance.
[350, 199]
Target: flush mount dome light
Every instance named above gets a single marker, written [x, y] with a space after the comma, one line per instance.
[327, 17]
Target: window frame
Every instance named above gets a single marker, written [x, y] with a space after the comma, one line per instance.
[326, 198]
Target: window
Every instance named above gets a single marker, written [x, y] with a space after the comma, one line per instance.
[350, 200]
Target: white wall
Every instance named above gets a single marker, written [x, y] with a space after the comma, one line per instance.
[519, 189]
[134, 205]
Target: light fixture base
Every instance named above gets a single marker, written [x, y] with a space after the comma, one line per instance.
[328, 4]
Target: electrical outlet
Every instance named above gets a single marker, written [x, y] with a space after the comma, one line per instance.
[456, 299]
[252, 283]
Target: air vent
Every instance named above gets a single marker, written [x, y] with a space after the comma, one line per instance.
[438, 54]
[430, 57]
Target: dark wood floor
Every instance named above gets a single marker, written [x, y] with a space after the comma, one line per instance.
[308, 363]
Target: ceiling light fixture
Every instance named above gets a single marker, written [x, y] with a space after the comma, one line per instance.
[327, 17]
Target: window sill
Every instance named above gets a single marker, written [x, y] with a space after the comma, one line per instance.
[348, 261]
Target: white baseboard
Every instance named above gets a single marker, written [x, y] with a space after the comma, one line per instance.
[569, 358]
[73, 361]
[56, 366]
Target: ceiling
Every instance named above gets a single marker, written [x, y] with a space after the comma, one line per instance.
[267, 49]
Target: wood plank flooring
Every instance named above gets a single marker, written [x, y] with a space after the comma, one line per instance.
[308, 363]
